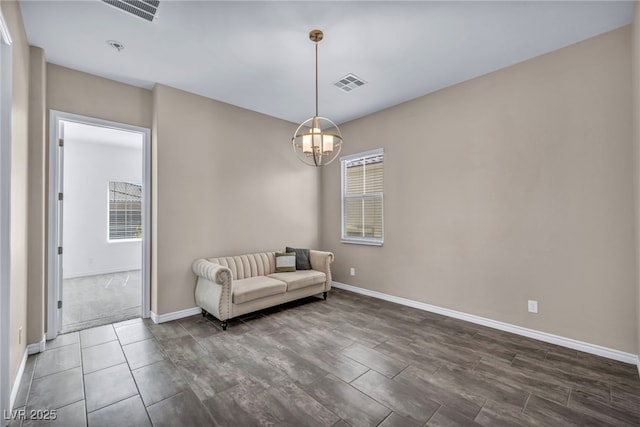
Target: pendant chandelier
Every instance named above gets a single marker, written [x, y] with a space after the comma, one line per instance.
[317, 141]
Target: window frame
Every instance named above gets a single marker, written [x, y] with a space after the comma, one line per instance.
[368, 241]
[124, 239]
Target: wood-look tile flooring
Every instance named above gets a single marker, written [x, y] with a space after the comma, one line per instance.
[348, 361]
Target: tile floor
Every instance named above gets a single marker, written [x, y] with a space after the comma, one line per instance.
[348, 361]
[101, 299]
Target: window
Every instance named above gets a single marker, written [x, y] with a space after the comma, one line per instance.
[362, 198]
[125, 210]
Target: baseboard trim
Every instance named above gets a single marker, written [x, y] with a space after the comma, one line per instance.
[161, 318]
[16, 383]
[37, 347]
[507, 327]
[101, 272]
[29, 350]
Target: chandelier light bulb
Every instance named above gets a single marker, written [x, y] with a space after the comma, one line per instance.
[327, 144]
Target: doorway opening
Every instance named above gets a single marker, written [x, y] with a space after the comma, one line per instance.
[100, 215]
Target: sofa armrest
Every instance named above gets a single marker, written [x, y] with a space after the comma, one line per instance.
[213, 288]
[211, 271]
[321, 261]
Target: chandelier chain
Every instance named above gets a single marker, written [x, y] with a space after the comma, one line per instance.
[316, 79]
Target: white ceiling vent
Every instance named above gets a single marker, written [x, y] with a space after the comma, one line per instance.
[349, 82]
[145, 9]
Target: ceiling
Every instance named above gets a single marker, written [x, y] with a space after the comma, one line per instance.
[257, 55]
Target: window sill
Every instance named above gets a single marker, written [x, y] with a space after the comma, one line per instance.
[361, 242]
[123, 240]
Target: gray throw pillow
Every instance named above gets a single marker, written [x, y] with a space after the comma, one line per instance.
[303, 261]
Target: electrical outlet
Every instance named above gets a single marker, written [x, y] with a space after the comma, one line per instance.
[533, 306]
[352, 271]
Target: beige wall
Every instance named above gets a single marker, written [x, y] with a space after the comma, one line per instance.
[37, 195]
[636, 150]
[226, 182]
[76, 92]
[19, 184]
[512, 186]
[154, 206]
[72, 91]
[234, 164]
[521, 188]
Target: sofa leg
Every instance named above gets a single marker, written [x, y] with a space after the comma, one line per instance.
[324, 295]
[204, 313]
[224, 325]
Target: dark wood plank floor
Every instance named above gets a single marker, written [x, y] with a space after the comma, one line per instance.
[348, 361]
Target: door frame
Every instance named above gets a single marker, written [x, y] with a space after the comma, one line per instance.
[54, 320]
[6, 105]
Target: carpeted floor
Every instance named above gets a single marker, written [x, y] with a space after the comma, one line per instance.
[102, 299]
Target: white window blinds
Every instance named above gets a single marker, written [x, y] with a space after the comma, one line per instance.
[125, 210]
[362, 198]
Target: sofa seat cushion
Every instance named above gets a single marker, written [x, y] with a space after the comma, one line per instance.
[300, 278]
[256, 287]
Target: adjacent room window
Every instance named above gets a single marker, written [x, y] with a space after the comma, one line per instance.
[362, 198]
[125, 210]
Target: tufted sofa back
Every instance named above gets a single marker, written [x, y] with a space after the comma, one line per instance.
[252, 265]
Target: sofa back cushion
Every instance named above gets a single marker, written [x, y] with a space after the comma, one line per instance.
[251, 265]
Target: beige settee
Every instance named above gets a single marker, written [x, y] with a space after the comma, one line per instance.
[228, 287]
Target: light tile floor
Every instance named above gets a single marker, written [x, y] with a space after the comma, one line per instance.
[84, 376]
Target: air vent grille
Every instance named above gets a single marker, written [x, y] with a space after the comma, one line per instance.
[145, 9]
[349, 82]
